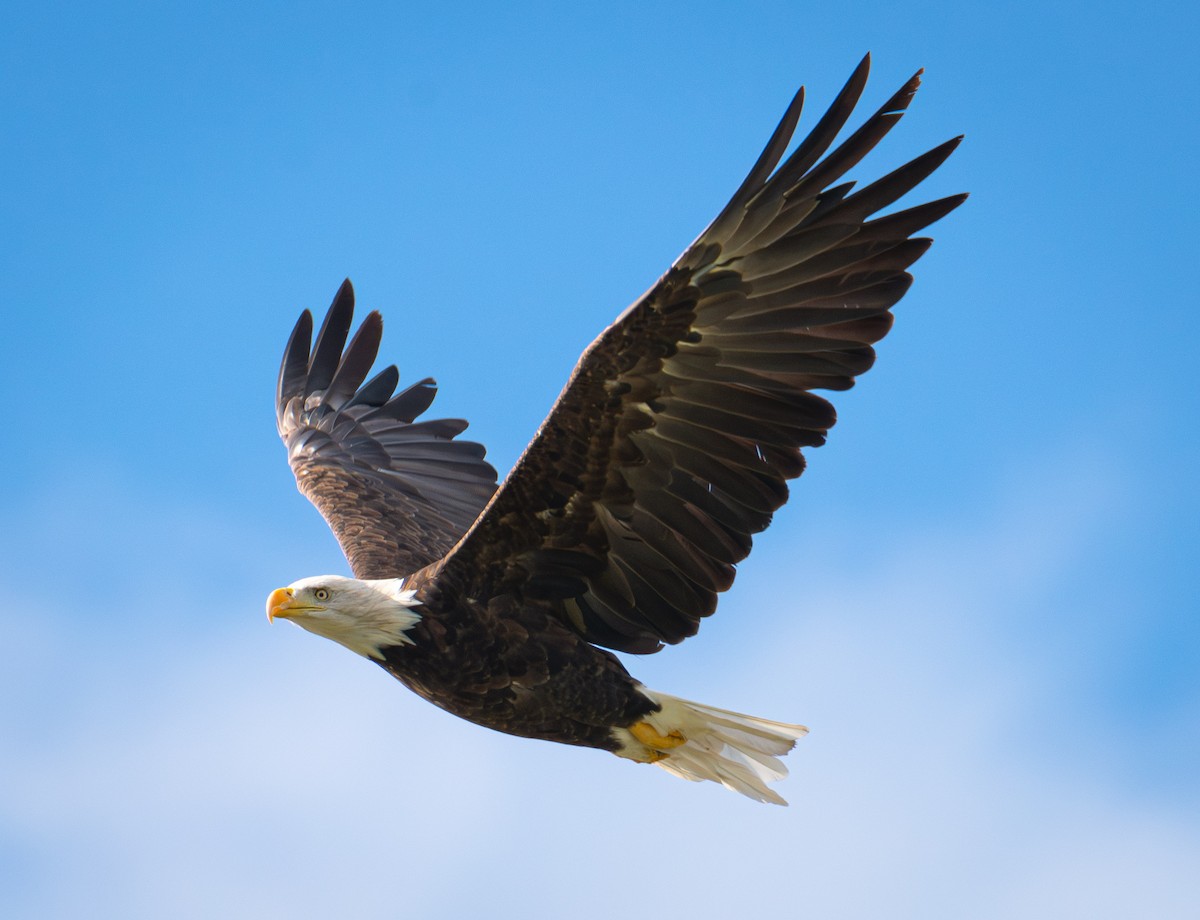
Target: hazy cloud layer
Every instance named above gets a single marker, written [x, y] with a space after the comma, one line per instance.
[245, 770]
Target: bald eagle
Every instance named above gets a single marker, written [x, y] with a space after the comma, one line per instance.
[627, 514]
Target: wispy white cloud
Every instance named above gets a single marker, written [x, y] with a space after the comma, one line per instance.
[238, 769]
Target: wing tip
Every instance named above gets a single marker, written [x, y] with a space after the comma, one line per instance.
[293, 368]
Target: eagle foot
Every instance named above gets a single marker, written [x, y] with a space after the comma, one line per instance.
[658, 744]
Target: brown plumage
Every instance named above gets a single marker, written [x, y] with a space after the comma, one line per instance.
[670, 447]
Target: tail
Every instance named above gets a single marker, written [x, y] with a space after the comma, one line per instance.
[701, 742]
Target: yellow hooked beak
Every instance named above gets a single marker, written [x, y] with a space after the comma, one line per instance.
[281, 603]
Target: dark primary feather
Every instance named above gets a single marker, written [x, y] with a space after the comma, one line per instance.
[397, 493]
[672, 443]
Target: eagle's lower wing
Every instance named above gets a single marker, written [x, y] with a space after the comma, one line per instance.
[398, 493]
[673, 440]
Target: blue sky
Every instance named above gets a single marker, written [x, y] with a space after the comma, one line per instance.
[982, 596]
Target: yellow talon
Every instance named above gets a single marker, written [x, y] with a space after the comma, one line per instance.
[645, 733]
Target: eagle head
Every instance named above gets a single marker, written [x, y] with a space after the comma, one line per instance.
[366, 616]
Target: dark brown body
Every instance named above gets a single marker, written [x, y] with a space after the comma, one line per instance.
[513, 666]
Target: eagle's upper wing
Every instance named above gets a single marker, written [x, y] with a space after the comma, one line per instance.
[398, 493]
[673, 440]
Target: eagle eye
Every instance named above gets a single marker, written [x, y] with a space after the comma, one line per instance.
[321, 594]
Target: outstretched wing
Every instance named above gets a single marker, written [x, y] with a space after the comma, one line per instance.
[674, 438]
[397, 493]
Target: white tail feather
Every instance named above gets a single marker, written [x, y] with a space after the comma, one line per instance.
[738, 751]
